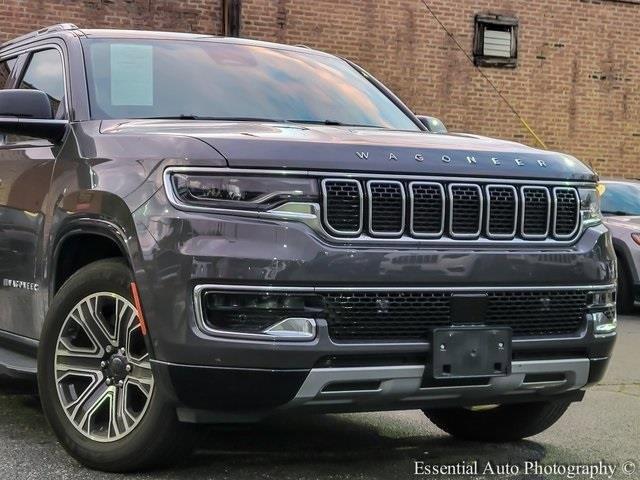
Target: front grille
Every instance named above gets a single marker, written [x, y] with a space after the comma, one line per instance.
[536, 205]
[466, 210]
[567, 211]
[386, 208]
[390, 208]
[410, 316]
[502, 211]
[343, 206]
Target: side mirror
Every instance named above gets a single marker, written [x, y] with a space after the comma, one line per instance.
[28, 112]
[433, 124]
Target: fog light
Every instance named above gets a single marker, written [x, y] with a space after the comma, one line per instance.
[302, 328]
[604, 322]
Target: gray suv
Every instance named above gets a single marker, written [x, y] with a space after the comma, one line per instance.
[199, 230]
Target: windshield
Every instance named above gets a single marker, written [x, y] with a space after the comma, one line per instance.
[621, 199]
[218, 80]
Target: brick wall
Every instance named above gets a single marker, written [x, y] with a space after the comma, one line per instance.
[577, 82]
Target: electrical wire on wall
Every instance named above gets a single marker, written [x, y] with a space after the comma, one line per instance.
[489, 81]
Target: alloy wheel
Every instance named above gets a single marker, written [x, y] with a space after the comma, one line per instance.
[102, 367]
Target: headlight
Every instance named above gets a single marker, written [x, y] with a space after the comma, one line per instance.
[240, 192]
[590, 207]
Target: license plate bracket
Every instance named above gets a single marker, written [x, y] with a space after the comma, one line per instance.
[469, 352]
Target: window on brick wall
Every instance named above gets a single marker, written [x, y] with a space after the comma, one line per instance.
[495, 42]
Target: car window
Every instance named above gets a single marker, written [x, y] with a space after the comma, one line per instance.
[621, 199]
[45, 72]
[5, 71]
[162, 78]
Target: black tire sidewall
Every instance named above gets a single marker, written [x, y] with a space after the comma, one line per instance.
[103, 276]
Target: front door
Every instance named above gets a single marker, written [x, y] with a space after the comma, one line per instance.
[26, 165]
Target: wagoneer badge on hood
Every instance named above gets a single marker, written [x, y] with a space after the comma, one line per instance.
[419, 157]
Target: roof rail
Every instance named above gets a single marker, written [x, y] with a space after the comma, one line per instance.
[42, 31]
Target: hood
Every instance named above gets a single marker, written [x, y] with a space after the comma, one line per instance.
[330, 148]
[627, 222]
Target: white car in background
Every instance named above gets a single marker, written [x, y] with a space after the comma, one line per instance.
[620, 204]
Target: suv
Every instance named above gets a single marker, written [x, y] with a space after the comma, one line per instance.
[198, 229]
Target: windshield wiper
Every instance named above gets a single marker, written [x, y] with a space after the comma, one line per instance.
[333, 123]
[201, 117]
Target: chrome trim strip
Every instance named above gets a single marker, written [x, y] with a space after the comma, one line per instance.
[370, 208]
[501, 236]
[452, 234]
[555, 212]
[311, 289]
[411, 210]
[527, 236]
[325, 210]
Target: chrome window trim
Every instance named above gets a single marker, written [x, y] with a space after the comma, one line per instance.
[325, 220]
[501, 236]
[397, 233]
[555, 212]
[527, 236]
[451, 206]
[411, 210]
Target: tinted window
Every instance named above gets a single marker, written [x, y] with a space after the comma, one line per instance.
[45, 73]
[5, 71]
[621, 199]
[142, 79]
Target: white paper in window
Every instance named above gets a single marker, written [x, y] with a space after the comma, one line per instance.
[131, 75]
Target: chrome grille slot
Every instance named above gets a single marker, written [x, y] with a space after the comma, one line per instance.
[427, 209]
[536, 210]
[465, 210]
[502, 211]
[387, 205]
[567, 212]
[343, 206]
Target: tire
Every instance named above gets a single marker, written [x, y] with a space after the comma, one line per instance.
[504, 423]
[143, 432]
[624, 296]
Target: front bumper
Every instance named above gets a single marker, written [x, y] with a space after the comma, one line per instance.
[181, 250]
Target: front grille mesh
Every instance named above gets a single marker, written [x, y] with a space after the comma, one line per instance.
[382, 208]
[410, 316]
[535, 205]
[427, 207]
[386, 207]
[503, 205]
[343, 205]
[567, 210]
[466, 209]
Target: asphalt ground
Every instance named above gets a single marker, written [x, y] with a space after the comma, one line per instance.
[605, 427]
